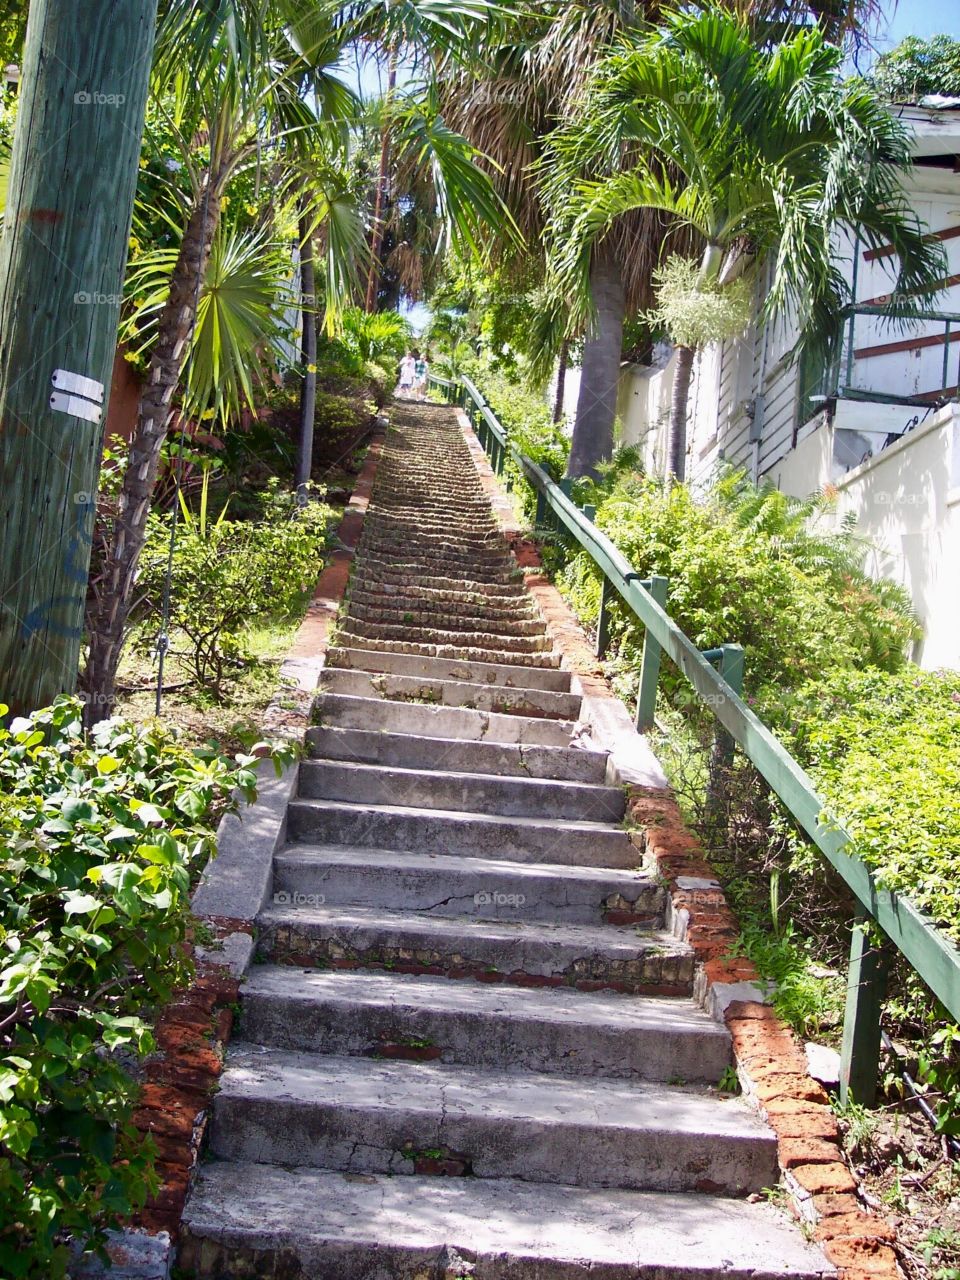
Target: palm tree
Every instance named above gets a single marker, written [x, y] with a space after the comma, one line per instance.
[760, 152]
[535, 83]
[230, 72]
[416, 33]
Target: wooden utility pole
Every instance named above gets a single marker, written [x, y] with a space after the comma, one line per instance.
[73, 175]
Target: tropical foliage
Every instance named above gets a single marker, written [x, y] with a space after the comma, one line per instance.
[917, 67]
[222, 577]
[761, 152]
[102, 836]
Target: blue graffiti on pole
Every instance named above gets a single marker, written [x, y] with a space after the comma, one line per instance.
[74, 567]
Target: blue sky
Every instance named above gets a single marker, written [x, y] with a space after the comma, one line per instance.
[915, 18]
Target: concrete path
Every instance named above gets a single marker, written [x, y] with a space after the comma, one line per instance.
[469, 1048]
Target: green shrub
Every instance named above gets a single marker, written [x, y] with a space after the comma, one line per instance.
[744, 567]
[884, 752]
[528, 420]
[102, 835]
[228, 575]
[338, 420]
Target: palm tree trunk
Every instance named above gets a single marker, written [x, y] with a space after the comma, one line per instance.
[600, 374]
[109, 618]
[677, 452]
[561, 380]
[376, 240]
[308, 388]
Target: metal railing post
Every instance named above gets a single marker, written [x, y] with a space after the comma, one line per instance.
[866, 988]
[650, 664]
[603, 620]
[721, 757]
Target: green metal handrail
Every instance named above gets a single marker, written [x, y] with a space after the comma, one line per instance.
[916, 935]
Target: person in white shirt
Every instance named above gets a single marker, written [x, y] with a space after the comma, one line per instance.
[407, 374]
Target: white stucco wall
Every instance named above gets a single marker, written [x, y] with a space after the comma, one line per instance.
[907, 503]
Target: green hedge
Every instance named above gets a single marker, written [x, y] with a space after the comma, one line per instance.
[745, 566]
[884, 751]
[101, 838]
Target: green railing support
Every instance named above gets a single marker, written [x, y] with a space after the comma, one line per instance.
[603, 620]
[650, 662]
[730, 661]
[866, 989]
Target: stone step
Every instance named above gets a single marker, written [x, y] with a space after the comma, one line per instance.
[459, 652]
[480, 888]
[548, 1030]
[511, 588]
[508, 760]
[415, 599]
[437, 618]
[347, 712]
[363, 1115]
[467, 835]
[440, 539]
[451, 693]
[467, 574]
[409, 664]
[246, 1220]
[462, 638]
[528, 953]
[467, 792]
[491, 557]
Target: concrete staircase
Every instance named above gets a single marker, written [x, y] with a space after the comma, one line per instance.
[469, 1047]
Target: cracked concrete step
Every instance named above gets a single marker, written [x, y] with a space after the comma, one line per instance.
[507, 760]
[246, 1220]
[468, 792]
[468, 835]
[365, 1115]
[465, 652]
[551, 1030]
[347, 712]
[410, 664]
[452, 693]
[526, 952]
[480, 888]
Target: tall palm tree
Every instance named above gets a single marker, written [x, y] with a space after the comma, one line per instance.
[535, 83]
[759, 151]
[231, 73]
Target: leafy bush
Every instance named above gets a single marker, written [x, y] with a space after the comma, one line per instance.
[528, 420]
[377, 341]
[917, 67]
[884, 752]
[338, 420]
[228, 574]
[744, 566]
[101, 837]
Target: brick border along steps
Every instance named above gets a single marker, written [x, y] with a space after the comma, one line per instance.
[463, 969]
